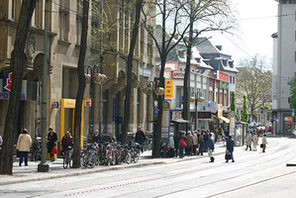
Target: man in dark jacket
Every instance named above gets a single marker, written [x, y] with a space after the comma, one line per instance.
[140, 137]
[96, 138]
[229, 148]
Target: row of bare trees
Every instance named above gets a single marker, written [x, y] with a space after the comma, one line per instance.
[182, 21]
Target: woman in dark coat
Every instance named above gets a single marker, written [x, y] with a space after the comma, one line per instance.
[51, 142]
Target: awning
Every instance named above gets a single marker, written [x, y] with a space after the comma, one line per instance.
[223, 119]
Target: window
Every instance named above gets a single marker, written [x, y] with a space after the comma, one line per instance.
[15, 9]
[179, 97]
[38, 14]
[230, 79]
[78, 29]
[64, 20]
[233, 80]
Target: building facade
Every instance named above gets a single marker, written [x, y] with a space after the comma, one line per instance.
[284, 66]
[64, 26]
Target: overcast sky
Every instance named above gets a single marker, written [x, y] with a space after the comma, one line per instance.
[257, 21]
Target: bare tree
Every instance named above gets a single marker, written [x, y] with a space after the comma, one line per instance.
[81, 86]
[17, 68]
[129, 68]
[169, 12]
[254, 82]
[202, 16]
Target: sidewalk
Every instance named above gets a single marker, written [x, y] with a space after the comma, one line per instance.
[56, 170]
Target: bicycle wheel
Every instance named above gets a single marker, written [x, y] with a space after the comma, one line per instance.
[137, 156]
[65, 162]
[128, 158]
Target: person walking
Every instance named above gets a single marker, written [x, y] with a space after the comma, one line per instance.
[171, 145]
[248, 141]
[140, 138]
[211, 148]
[52, 138]
[195, 142]
[255, 141]
[264, 142]
[183, 144]
[200, 143]
[189, 143]
[177, 143]
[229, 148]
[23, 145]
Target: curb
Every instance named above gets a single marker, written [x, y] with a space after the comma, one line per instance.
[80, 172]
[111, 168]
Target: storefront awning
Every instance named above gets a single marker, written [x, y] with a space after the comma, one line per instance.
[223, 119]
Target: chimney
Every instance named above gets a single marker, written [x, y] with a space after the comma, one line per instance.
[219, 47]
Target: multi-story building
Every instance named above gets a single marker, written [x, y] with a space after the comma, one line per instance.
[64, 26]
[284, 65]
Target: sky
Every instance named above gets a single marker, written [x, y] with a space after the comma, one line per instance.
[256, 22]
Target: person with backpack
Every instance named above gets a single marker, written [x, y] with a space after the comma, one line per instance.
[183, 144]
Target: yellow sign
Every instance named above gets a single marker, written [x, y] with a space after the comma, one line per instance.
[69, 103]
[169, 89]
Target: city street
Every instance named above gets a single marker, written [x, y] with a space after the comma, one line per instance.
[253, 174]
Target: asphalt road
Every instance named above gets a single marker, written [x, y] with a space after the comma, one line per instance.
[253, 174]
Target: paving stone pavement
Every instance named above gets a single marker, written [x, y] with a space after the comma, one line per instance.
[56, 170]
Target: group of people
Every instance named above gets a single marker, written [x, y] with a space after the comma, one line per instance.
[192, 143]
[252, 139]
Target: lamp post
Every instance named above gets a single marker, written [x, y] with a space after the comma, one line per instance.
[149, 90]
[197, 98]
[94, 76]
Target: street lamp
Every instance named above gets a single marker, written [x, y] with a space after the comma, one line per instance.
[197, 98]
[94, 76]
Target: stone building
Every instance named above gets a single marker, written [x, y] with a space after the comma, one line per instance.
[64, 26]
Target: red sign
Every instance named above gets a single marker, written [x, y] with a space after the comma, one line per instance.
[178, 74]
[223, 76]
[7, 82]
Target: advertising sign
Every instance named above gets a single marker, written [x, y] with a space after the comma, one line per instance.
[204, 115]
[169, 89]
[178, 74]
[5, 87]
[165, 124]
[223, 76]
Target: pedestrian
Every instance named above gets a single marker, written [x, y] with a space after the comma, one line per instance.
[106, 138]
[248, 141]
[140, 138]
[96, 138]
[23, 145]
[229, 148]
[171, 145]
[200, 143]
[52, 138]
[195, 142]
[211, 148]
[255, 142]
[177, 143]
[264, 142]
[183, 144]
[67, 142]
[189, 143]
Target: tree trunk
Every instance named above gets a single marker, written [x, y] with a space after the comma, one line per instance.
[81, 87]
[17, 67]
[186, 87]
[129, 68]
